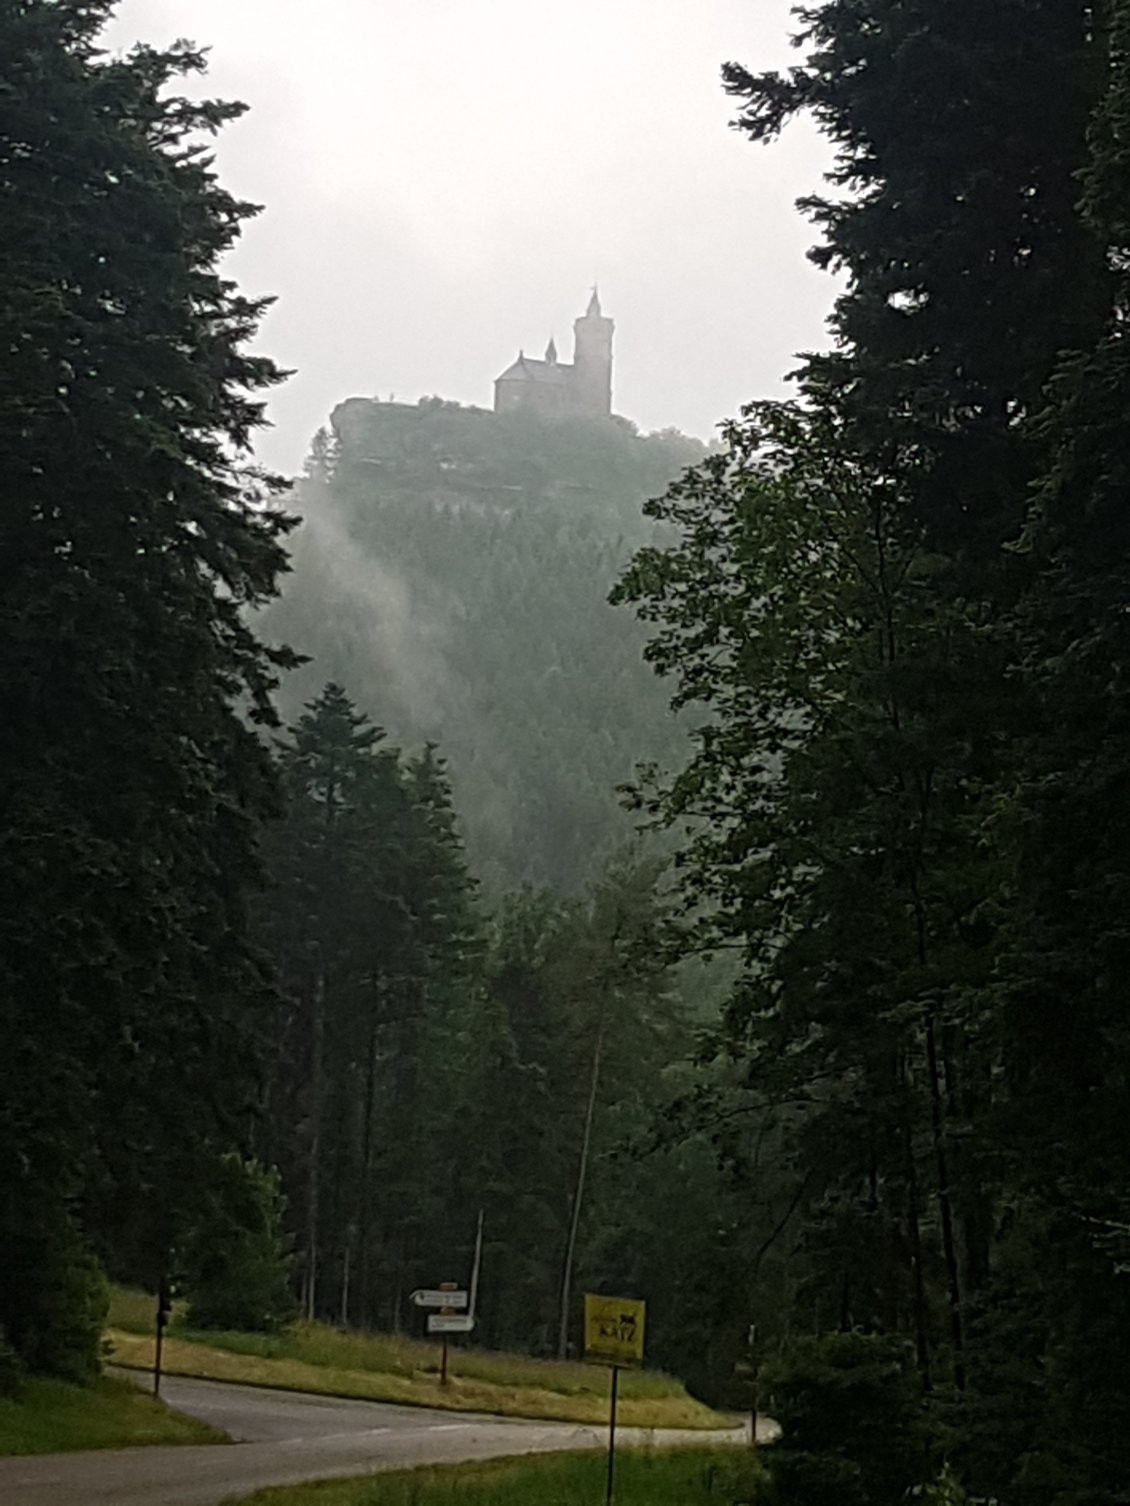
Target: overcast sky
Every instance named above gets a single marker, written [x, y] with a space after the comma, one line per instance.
[444, 179]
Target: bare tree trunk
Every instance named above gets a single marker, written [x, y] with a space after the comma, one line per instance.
[313, 1180]
[937, 1127]
[945, 1203]
[578, 1194]
[914, 1230]
[364, 1254]
[317, 1074]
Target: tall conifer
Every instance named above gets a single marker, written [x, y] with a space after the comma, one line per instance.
[132, 538]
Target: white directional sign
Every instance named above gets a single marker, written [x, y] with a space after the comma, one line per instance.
[425, 1296]
[450, 1322]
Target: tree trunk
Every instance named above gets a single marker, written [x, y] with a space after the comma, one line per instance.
[914, 1232]
[364, 1254]
[313, 1181]
[945, 1203]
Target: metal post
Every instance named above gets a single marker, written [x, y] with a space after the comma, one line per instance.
[612, 1435]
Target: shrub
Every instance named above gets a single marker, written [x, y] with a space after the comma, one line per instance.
[852, 1430]
[54, 1297]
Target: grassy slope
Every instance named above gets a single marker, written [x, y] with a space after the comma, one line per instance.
[667, 1477]
[384, 1367]
[50, 1415]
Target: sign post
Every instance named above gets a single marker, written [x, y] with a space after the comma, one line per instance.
[447, 1297]
[611, 1435]
[613, 1336]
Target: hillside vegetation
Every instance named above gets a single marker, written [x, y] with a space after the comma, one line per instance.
[452, 572]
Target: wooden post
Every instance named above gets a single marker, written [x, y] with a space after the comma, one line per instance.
[612, 1435]
[443, 1364]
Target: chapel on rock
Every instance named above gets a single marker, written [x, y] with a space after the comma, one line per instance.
[553, 387]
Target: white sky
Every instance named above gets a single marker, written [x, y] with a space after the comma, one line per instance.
[443, 179]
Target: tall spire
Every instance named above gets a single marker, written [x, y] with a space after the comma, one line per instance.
[551, 351]
[593, 310]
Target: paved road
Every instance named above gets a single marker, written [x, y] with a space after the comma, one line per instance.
[283, 1438]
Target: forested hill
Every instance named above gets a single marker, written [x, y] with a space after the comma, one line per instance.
[452, 571]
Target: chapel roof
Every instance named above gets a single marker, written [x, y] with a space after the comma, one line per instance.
[527, 369]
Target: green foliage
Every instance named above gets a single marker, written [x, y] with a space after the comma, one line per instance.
[133, 540]
[411, 1020]
[850, 1410]
[898, 608]
[581, 1003]
[968, 268]
[947, 1490]
[54, 1298]
[452, 570]
[237, 1258]
[370, 919]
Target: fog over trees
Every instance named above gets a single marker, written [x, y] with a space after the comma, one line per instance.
[704, 867]
[453, 570]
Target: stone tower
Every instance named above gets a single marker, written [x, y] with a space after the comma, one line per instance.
[592, 359]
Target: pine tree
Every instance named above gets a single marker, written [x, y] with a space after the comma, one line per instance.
[842, 603]
[1066, 951]
[370, 919]
[132, 540]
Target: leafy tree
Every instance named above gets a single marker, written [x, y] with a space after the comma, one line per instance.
[578, 1025]
[132, 540]
[795, 610]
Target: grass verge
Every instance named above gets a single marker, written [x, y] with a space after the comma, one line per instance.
[659, 1477]
[385, 1367]
[48, 1416]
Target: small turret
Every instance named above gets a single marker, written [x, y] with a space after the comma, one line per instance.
[551, 351]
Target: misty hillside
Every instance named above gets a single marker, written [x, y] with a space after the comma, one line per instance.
[452, 573]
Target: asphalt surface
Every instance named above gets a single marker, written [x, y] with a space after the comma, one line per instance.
[285, 1437]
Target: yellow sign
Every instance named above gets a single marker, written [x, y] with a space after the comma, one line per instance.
[614, 1329]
